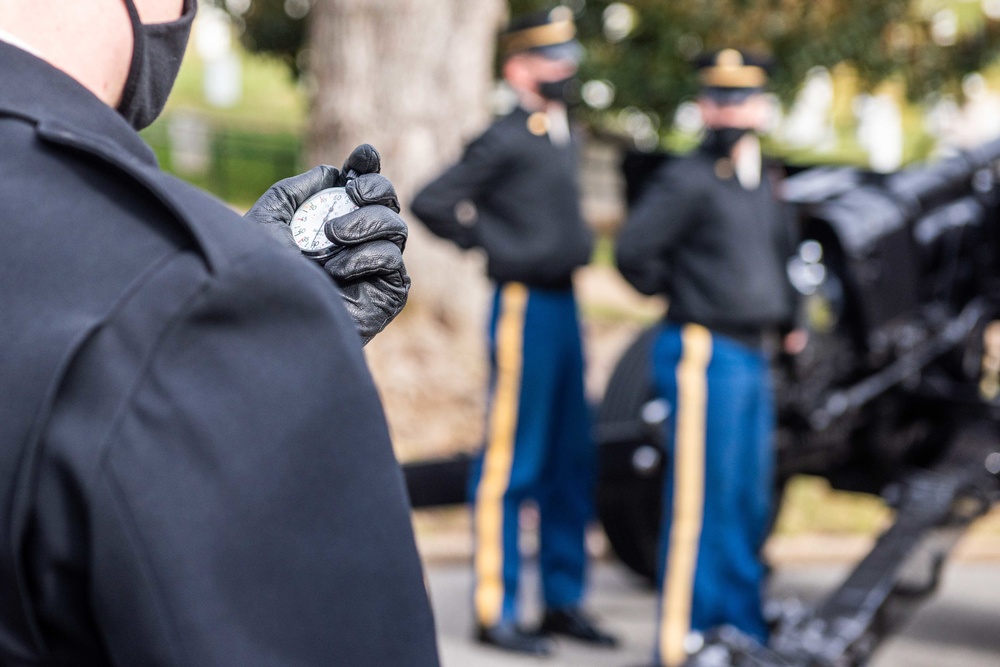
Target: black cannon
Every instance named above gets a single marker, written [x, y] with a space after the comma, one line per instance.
[897, 394]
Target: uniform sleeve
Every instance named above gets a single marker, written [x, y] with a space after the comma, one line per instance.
[449, 204]
[248, 509]
[662, 216]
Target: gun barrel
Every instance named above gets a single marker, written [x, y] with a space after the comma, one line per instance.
[922, 188]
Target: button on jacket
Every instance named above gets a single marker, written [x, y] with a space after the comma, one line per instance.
[515, 194]
[194, 466]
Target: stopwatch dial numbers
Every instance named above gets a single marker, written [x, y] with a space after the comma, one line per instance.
[308, 232]
[310, 219]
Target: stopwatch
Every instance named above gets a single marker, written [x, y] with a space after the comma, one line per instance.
[309, 222]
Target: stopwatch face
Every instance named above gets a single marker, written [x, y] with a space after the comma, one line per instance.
[310, 219]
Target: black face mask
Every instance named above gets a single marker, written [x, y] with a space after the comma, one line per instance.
[565, 90]
[720, 140]
[156, 60]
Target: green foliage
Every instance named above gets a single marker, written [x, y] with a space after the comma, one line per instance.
[651, 66]
[266, 27]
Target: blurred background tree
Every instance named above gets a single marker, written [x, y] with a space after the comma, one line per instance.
[411, 77]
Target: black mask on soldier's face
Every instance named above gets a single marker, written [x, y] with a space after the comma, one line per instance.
[721, 140]
[156, 59]
[565, 90]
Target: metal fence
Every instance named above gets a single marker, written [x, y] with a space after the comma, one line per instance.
[235, 162]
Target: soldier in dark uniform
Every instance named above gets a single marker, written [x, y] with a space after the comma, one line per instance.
[710, 233]
[194, 465]
[514, 194]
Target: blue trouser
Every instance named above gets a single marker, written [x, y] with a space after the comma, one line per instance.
[538, 446]
[718, 488]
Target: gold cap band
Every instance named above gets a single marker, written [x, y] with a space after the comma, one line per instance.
[543, 35]
[730, 71]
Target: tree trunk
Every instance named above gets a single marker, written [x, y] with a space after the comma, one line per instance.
[413, 78]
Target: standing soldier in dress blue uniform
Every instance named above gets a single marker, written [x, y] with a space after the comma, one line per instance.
[514, 194]
[192, 450]
[710, 233]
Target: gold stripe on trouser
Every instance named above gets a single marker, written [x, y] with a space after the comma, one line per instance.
[689, 493]
[499, 457]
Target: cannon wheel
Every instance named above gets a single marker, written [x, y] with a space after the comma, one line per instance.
[630, 482]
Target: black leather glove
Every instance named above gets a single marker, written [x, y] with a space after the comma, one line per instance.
[369, 266]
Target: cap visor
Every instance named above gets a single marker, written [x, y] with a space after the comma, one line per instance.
[725, 96]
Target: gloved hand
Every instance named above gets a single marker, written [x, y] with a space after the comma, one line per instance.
[369, 267]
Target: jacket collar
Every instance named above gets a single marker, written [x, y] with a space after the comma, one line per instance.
[32, 89]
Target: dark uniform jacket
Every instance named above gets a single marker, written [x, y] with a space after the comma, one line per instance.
[717, 250]
[526, 213]
[194, 466]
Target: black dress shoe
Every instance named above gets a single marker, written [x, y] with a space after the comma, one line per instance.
[572, 622]
[509, 637]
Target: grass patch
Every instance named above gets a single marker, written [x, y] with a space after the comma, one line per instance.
[810, 505]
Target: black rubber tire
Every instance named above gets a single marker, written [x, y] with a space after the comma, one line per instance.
[629, 496]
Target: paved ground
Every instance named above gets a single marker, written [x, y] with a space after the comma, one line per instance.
[960, 627]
